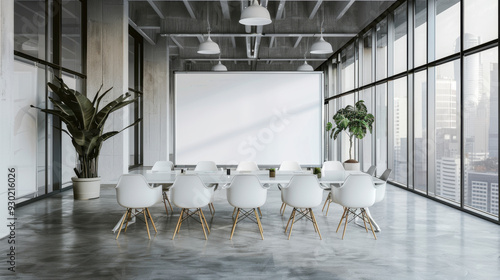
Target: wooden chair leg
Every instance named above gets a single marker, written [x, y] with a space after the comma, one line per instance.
[371, 226]
[289, 219]
[204, 219]
[341, 219]
[293, 221]
[128, 219]
[346, 220]
[121, 224]
[260, 213]
[328, 208]
[165, 199]
[177, 227]
[259, 224]
[234, 224]
[146, 220]
[151, 218]
[202, 223]
[315, 223]
[327, 199]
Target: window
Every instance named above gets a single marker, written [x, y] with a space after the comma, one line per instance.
[481, 22]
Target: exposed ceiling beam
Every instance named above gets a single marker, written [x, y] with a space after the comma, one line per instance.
[143, 34]
[157, 10]
[349, 35]
[225, 9]
[315, 9]
[176, 43]
[297, 42]
[254, 59]
[149, 27]
[342, 13]
[189, 9]
[281, 9]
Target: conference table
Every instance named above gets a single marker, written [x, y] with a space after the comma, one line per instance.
[221, 178]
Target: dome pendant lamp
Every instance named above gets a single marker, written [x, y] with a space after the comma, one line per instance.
[209, 46]
[219, 67]
[321, 46]
[305, 67]
[255, 14]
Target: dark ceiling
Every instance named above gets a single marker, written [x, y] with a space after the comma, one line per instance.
[279, 46]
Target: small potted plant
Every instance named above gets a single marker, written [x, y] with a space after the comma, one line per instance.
[84, 125]
[317, 171]
[272, 172]
[355, 121]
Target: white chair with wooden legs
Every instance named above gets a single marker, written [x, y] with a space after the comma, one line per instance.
[164, 166]
[302, 193]
[133, 192]
[333, 170]
[189, 192]
[287, 165]
[246, 192]
[357, 192]
[208, 166]
[247, 166]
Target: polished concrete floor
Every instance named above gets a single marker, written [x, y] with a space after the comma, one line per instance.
[59, 238]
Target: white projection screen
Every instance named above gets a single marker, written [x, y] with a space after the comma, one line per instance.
[266, 117]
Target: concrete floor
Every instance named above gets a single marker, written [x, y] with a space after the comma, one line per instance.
[59, 238]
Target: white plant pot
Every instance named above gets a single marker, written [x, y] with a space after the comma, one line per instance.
[352, 166]
[86, 188]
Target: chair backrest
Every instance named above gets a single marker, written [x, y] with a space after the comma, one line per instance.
[206, 166]
[371, 170]
[163, 166]
[381, 188]
[246, 191]
[332, 165]
[303, 191]
[290, 166]
[133, 191]
[385, 175]
[247, 166]
[357, 191]
[334, 175]
[188, 191]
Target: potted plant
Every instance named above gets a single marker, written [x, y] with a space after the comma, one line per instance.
[85, 123]
[272, 172]
[317, 171]
[355, 121]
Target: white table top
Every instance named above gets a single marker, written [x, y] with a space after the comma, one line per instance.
[220, 177]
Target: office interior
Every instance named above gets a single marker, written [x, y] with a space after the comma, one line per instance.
[426, 69]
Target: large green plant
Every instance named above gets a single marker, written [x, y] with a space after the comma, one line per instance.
[85, 122]
[355, 121]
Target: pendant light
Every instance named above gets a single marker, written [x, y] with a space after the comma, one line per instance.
[209, 46]
[219, 67]
[255, 14]
[305, 67]
[321, 46]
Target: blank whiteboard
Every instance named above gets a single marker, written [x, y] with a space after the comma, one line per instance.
[266, 117]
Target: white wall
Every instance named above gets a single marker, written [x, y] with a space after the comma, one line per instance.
[6, 101]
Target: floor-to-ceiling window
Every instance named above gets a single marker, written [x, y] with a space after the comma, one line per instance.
[48, 40]
[429, 69]
[135, 80]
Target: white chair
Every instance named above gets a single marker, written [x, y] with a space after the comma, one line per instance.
[357, 192]
[247, 166]
[133, 192]
[287, 166]
[303, 193]
[164, 166]
[246, 192]
[208, 166]
[189, 192]
[371, 170]
[333, 170]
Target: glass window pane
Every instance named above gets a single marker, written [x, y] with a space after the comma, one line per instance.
[381, 127]
[420, 33]
[400, 39]
[420, 131]
[447, 33]
[72, 35]
[480, 22]
[447, 131]
[366, 143]
[347, 60]
[400, 126]
[381, 58]
[480, 133]
[367, 58]
[29, 27]
[131, 62]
